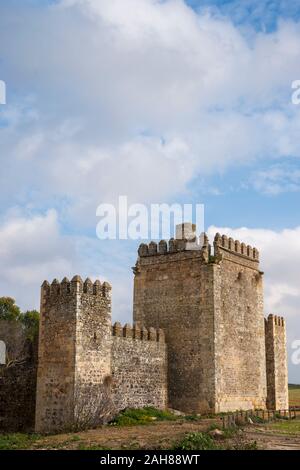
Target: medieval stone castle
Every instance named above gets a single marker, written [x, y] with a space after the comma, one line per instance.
[199, 341]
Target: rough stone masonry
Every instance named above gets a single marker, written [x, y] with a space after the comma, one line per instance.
[199, 341]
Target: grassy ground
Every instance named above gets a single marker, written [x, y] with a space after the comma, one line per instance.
[175, 434]
[158, 436]
[294, 395]
[149, 428]
[286, 426]
[16, 441]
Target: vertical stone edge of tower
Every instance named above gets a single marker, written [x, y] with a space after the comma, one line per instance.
[239, 327]
[276, 363]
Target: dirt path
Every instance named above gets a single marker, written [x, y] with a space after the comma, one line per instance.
[163, 435]
[272, 440]
[160, 435]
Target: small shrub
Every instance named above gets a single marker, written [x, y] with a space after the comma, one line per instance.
[93, 406]
[131, 417]
[257, 419]
[30, 320]
[192, 418]
[250, 446]
[17, 441]
[280, 416]
[197, 441]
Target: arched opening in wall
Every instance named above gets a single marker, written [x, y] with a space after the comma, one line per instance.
[2, 353]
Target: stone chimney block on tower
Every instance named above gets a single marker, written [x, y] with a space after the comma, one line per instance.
[186, 231]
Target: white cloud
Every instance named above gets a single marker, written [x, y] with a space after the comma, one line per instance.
[116, 96]
[135, 97]
[280, 260]
[31, 250]
[276, 180]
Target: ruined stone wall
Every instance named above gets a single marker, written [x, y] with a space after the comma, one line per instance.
[276, 363]
[93, 349]
[74, 349]
[139, 367]
[173, 291]
[239, 327]
[87, 369]
[17, 378]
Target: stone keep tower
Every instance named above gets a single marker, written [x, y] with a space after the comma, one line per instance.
[211, 309]
[74, 348]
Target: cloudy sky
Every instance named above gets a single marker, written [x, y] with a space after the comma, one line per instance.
[162, 101]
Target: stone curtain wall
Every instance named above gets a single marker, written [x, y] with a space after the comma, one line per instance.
[139, 367]
[17, 379]
[276, 360]
[87, 369]
[239, 327]
[172, 291]
[199, 342]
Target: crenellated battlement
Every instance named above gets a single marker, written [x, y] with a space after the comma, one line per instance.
[222, 242]
[173, 246]
[275, 320]
[138, 332]
[193, 307]
[75, 286]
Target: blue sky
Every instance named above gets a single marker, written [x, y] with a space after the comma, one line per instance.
[163, 101]
[261, 15]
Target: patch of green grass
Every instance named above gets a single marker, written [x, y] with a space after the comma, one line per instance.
[257, 419]
[294, 395]
[131, 417]
[196, 441]
[192, 417]
[294, 386]
[286, 426]
[281, 417]
[17, 441]
[230, 440]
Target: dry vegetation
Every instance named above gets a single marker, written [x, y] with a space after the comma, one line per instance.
[175, 434]
[153, 429]
[294, 395]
